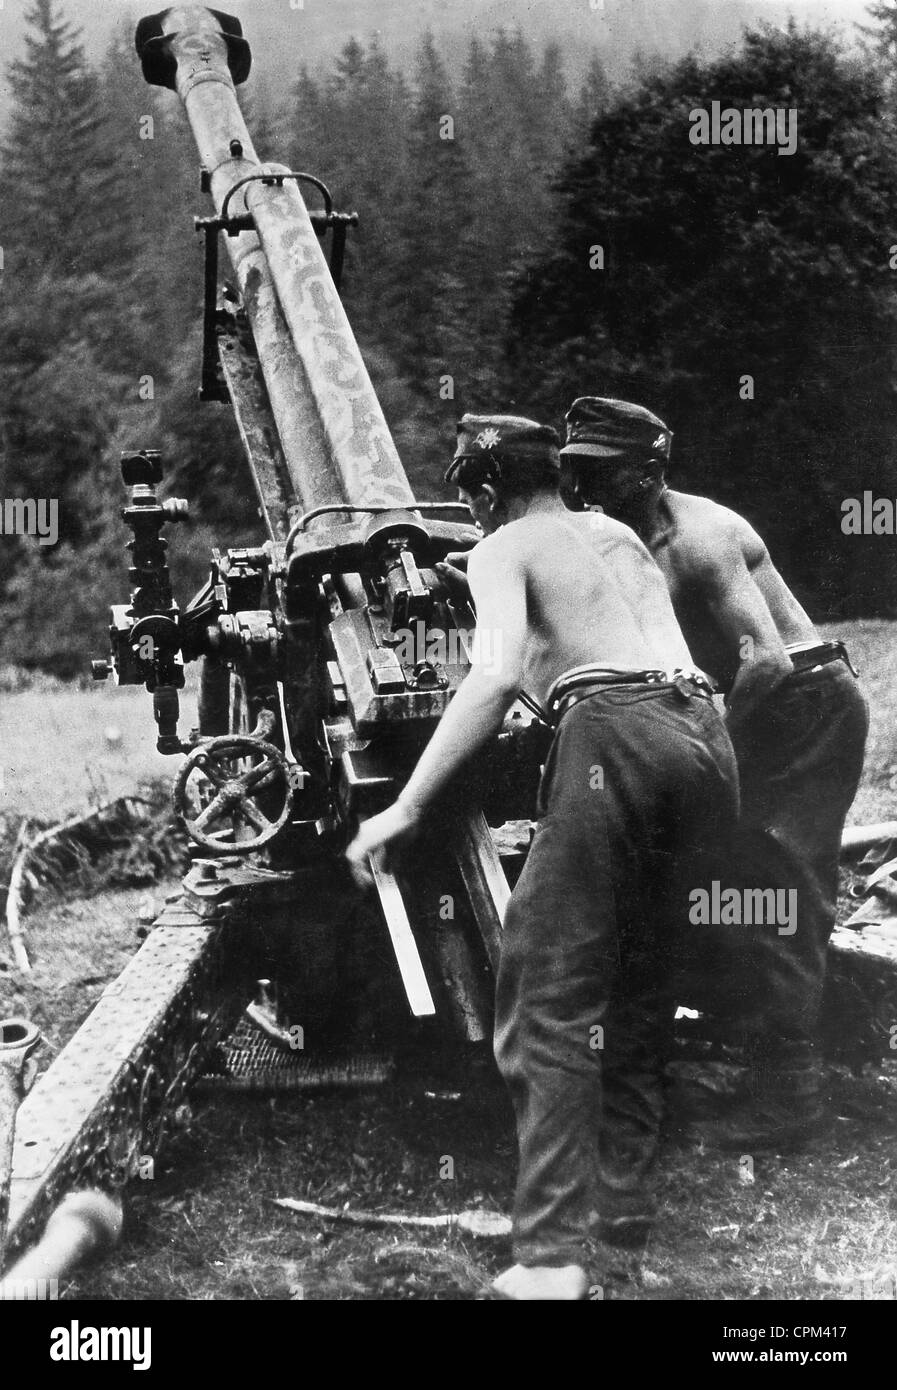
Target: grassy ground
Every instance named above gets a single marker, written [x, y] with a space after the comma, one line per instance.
[873, 647]
[61, 747]
[811, 1227]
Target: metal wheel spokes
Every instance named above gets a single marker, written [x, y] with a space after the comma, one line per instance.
[239, 769]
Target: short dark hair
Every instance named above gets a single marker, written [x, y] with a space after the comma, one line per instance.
[511, 476]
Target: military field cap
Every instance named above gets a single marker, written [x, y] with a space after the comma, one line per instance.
[490, 444]
[604, 428]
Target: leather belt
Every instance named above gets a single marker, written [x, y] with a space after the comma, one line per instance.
[581, 685]
[810, 658]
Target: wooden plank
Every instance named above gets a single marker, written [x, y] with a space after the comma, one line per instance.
[860, 1005]
[857, 837]
[420, 1000]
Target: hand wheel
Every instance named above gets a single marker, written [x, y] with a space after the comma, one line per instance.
[222, 762]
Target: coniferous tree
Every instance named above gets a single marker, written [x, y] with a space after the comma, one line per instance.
[349, 66]
[352, 131]
[594, 95]
[884, 35]
[435, 214]
[517, 123]
[60, 197]
[309, 142]
[59, 377]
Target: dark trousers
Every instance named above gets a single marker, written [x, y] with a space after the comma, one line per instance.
[636, 784]
[800, 760]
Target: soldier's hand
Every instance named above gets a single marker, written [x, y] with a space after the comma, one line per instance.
[380, 836]
[453, 573]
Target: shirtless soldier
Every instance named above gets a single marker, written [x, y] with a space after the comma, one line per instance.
[798, 723]
[640, 771]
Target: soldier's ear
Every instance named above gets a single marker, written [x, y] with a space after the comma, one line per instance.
[491, 494]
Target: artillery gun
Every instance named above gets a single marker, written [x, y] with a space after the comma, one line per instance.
[329, 650]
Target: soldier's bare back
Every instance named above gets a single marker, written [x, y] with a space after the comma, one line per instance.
[701, 540]
[593, 595]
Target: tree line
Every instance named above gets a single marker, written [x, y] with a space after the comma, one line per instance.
[473, 282]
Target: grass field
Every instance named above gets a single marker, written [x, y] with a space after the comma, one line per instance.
[62, 747]
[873, 647]
[811, 1227]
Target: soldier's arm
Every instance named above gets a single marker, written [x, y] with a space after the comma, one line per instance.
[742, 615]
[498, 582]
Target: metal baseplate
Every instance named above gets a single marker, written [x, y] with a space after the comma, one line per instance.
[250, 1061]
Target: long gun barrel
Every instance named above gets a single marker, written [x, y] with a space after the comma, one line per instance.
[336, 442]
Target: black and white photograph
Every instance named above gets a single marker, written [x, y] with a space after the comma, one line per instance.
[448, 603]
